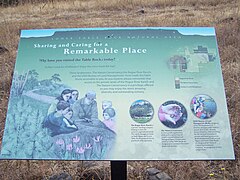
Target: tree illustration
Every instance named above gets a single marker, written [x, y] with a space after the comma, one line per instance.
[33, 74]
[19, 81]
[56, 78]
[32, 80]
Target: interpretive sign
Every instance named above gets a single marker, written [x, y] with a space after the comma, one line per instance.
[118, 94]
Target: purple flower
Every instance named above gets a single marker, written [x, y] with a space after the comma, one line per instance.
[88, 146]
[60, 142]
[80, 150]
[76, 139]
[97, 139]
[69, 147]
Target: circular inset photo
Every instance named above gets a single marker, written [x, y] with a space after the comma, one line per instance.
[141, 111]
[172, 114]
[203, 106]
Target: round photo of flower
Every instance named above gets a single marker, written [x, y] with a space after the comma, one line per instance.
[141, 111]
[203, 106]
[172, 114]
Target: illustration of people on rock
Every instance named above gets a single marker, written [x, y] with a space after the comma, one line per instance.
[78, 118]
[172, 114]
[203, 106]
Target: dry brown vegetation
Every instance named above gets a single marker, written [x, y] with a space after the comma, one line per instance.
[224, 15]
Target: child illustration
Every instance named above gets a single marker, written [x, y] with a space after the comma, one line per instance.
[109, 118]
[58, 122]
[74, 96]
[65, 96]
[67, 119]
[106, 104]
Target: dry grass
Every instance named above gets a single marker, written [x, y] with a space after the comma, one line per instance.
[224, 15]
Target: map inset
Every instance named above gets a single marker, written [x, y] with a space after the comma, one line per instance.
[191, 60]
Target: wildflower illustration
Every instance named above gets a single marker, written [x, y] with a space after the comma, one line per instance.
[60, 142]
[69, 153]
[88, 150]
[97, 138]
[88, 146]
[97, 147]
[80, 151]
[76, 139]
[60, 148]
[69, 147]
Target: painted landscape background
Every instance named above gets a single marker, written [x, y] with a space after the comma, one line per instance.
[224, 15]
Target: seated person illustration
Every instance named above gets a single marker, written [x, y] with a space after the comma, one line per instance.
[106, 104]
[59, 122]
[109, 118]
[65, 96]
[67, 119]
[85, 109]
[74, 96]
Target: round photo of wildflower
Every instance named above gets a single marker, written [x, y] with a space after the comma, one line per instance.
[203, 106]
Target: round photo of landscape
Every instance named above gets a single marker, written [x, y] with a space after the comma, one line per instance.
[203, 106]
[172, 114]
[141, 111]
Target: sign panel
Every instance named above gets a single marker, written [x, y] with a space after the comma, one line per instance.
[118, 94]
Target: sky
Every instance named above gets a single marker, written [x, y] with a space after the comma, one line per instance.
[204, 31]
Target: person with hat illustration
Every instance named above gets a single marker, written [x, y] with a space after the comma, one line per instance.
[85, 109]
